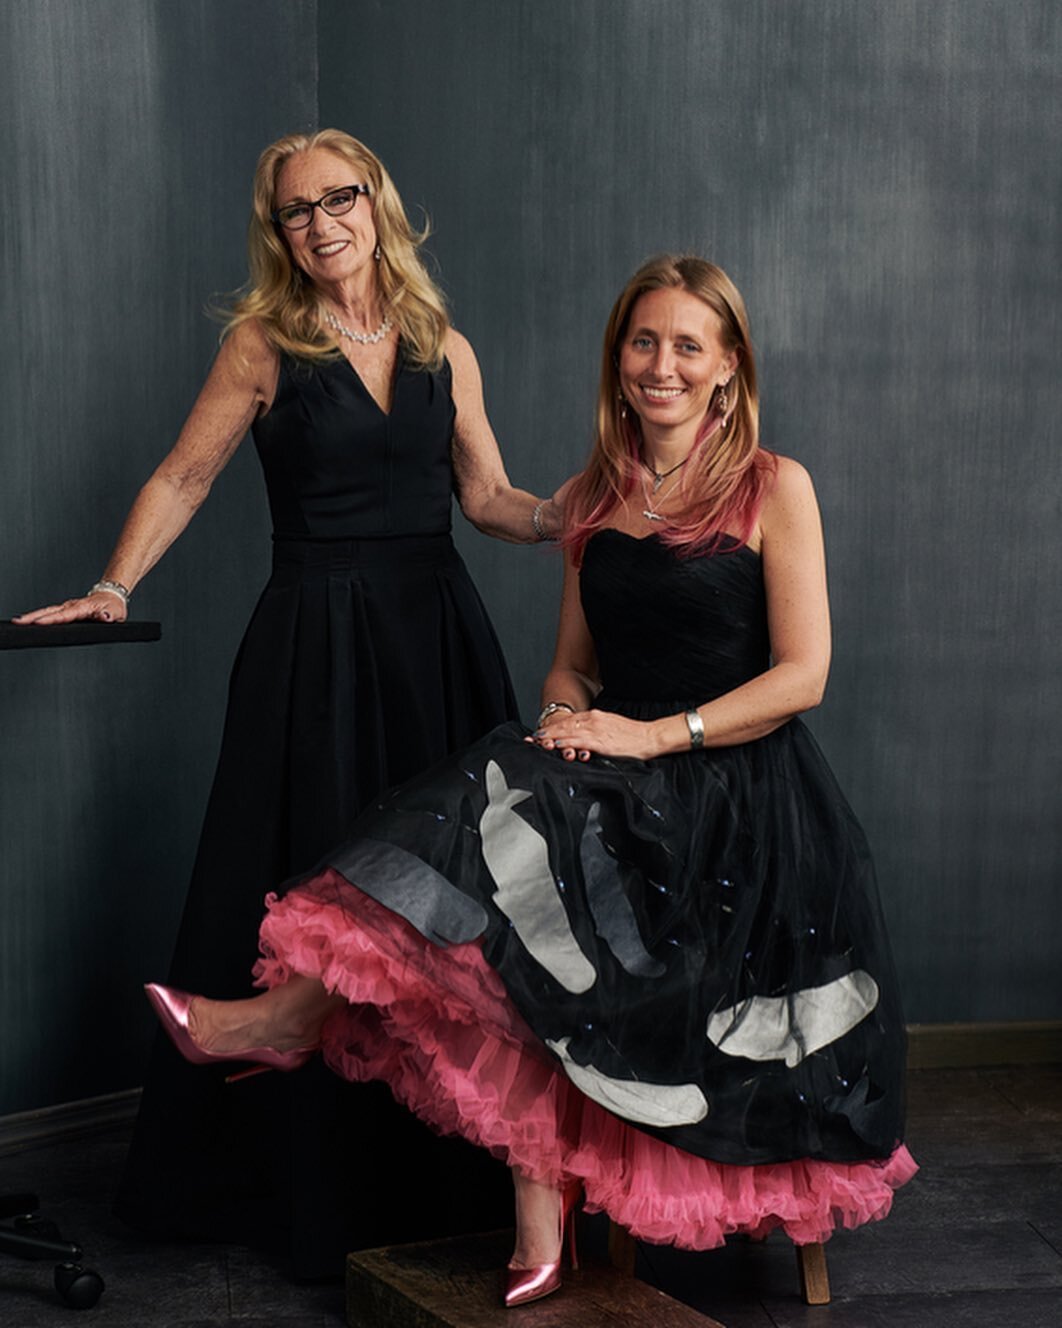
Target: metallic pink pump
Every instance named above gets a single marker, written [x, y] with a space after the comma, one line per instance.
[522, 1285]
[173, 1007]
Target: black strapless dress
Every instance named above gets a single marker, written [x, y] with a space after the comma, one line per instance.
[668, 978]
[369, 656]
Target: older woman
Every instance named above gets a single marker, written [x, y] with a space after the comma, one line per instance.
[642, 954]
[369, 657]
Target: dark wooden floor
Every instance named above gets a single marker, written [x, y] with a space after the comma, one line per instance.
[974, 1241]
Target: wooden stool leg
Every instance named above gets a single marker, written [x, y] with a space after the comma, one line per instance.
[814, 1277]
[622, 1249]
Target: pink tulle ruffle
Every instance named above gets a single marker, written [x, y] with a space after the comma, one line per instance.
[436, 1025]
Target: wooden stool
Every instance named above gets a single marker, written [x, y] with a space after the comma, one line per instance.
[456, 1283]
[811, 1262]
[814, 1275]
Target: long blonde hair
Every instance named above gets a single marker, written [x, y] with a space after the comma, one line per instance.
[282, 299]
[726, 478]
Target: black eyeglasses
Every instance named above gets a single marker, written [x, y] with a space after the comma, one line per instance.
[297, 216]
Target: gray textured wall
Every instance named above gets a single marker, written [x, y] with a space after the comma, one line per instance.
[881, 180]
[131, 133]
[878, 177]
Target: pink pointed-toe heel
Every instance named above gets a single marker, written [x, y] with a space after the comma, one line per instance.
[523, 1285]
[173, 1008]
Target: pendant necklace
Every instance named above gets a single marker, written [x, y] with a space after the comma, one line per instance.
[652, 501]
[660, 476]
[649, 510]
[362, 338]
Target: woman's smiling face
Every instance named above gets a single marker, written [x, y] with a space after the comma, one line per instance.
[329, 249]
[672, 359]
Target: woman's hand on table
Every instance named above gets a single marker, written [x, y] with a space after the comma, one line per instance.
[100, 606]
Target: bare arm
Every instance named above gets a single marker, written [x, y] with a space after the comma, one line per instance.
[486, 496]
[573, 675]
[572, 681]
[794, 568]
[241, 381]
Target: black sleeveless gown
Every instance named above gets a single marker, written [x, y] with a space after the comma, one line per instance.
[368, 657]
[669, 978]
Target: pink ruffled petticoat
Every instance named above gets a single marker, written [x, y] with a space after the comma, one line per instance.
[436, 1025]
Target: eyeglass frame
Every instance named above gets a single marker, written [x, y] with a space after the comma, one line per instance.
[357, 189]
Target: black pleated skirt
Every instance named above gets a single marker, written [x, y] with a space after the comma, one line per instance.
[365, 661]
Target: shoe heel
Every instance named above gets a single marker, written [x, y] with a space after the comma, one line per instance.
[249, 1073]
[569, 1214]
[523, 1285]
[173, 1009]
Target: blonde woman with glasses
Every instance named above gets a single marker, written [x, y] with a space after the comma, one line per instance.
[368, 658]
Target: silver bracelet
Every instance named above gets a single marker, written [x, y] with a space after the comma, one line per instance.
[551, 708]
[536, 521]
[696, 727]
[111, 588]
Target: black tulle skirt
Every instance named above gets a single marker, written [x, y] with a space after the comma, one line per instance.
[668, 979]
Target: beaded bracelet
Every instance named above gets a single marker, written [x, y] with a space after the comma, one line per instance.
[111, 588]
[551, 708]
[536, 521]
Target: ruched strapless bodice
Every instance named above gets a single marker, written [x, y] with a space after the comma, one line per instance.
[672, 630]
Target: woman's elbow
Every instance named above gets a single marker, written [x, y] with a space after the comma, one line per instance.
[485, 509]
[478, 516]
[185, 492]
[474, 502]
[807, 686]
[814, 689]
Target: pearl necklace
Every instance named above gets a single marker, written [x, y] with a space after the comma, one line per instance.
[362, 338]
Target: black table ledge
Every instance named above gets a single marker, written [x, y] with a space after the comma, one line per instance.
[16, 636]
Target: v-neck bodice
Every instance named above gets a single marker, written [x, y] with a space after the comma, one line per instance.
[337, 467]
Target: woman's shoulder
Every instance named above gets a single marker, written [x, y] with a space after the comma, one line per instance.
[248, 357]
[789, 504]
[790, 481]
[460, 364]
[249, 341]
[458, 350]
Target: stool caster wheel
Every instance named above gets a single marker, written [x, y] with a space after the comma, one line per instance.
[79, 1287]
[41, 1228]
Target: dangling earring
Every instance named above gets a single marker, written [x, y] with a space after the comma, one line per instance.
[377, 254]
[623, 405]
[723, 403]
